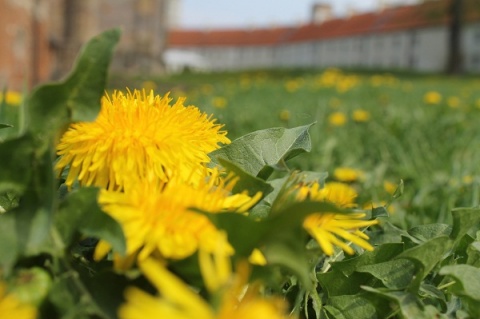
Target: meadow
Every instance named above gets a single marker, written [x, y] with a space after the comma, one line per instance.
[332, 194]
[418, 128]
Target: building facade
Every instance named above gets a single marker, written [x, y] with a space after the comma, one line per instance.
[40, 39]
[414, 37]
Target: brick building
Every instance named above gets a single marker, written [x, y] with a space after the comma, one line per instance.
[41, 38]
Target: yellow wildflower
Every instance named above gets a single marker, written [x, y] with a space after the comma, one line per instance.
[432, 97]
[453, 102]
[176, 300]
[158, 218]
[361, 115]
[328, 229]
[389, 187]
[219, 102]
[138, 134]
[11, 97]
[257, 258]
[347, 174]
[284, 115]
[337, 119]
[12, 308]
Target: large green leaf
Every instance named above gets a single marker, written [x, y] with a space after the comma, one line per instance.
[8, 242]
[382, 253]
[463, 220]
[246, 181]
[351, 307]
[408, 304]
[260, 152]
[394, 274]
[426, 255]
[77, 98]
[80, 213]
[467, 285]
[17, 156]
[2, 125]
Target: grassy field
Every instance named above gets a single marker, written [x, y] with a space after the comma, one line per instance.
[422, 129]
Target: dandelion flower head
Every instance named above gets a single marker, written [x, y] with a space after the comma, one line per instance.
[12, 308]
[160, 219]
[333, 229]
[138, 134]
[177, 300]
[347, 174]
[337, 119]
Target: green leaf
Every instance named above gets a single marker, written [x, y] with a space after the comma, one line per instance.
[8, 242]
[467, 285]
[427, 232]
[16, 163]
[337, 284]
[394, 274]
[427, 255]
[31, 285]
[246, 181]
[408, 304]
[351, 307]
[2, 125]
[463, 220]
[52, 106]
[79, 212]
[260, 152]
[382, 253]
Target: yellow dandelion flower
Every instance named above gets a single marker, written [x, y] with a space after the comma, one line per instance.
[176, 300]
[257, 258]
[11, 97]
[219, 102]
[158, 218]
[432, 97]
[389, 187]
[361, 115]
[12, 308]
[328, 229]
[337, 119]
[285, 115]
[347, 174]
[453, 102]
[467, 179]
[138, 134]
[293, 85]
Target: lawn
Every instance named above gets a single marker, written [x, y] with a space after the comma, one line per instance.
[421, 129]
[344, 194]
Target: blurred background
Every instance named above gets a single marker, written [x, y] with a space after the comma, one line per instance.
[40, 38]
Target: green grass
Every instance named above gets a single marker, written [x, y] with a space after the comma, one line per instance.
[434, 149]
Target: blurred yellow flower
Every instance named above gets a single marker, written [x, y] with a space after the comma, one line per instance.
[432, 97]
[361, 115]
[257, 258]
[236, 300]
[11, 98]
[347, 174]
[12, 308]
[328, 229]
[334, 102]
[149, 86]
[159, 219]
[219, 102]
[467, 179]
[372, 205]
[207, 89]
[284, 115]
[293, 85]
[138, 134]
[453, 102]
[389, 187]
[337, 119]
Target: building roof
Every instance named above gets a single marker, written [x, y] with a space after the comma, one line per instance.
[426, 14]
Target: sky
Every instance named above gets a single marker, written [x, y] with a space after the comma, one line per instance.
[257, 13]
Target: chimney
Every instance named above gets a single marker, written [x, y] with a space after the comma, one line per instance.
[321, 12]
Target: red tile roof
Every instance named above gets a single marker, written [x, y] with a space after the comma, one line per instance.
[431, 13]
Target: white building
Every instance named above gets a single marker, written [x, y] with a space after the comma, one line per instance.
[408, 37]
